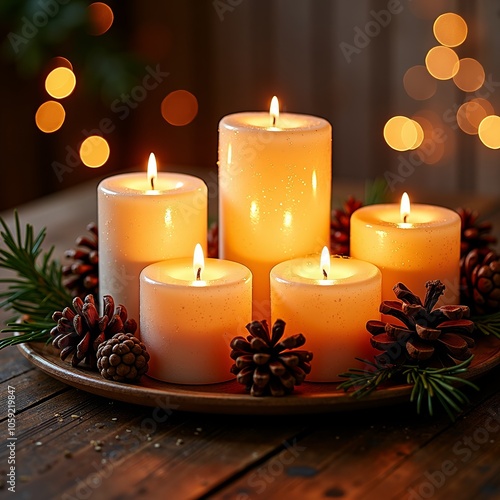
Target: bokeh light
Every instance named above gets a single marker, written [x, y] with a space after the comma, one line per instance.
[442, 62]
[58, 62]
[471, 113]
[101, 18]
[418, 83]
[60, 82]
[450, 29]
[179, 107]
[94, 151]
[470, 75]
[50, 116]
[432, 149]
[489, 131]
[401, 133]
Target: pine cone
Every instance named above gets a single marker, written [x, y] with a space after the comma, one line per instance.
[213, 241]
[480, 281]
[474, 234]
[434, 336]
[122, 358]
[82, 276]
[80, 330]
[340, 226]
[267, 366]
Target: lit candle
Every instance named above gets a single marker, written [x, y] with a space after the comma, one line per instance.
[274, 191]
[144, 218]
[411, 245]
[329, 301]
[191, 310]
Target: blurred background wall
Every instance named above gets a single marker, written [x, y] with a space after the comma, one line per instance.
[197, 60]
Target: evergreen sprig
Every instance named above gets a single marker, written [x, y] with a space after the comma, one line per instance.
[488, 324]
[429, 384]
[36, 289]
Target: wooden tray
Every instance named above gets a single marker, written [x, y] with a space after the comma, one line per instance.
[230, 397]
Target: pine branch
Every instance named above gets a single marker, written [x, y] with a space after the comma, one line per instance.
[36, 289]
[429, 384]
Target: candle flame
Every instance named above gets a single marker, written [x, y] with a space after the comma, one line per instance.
[152, 170]
[274, 110]
[325, 262]
[198, 262]
[405, 207]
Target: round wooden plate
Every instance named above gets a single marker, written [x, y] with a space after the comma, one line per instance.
[230, 397]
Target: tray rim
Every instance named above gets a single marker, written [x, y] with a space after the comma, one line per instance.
[229, 397]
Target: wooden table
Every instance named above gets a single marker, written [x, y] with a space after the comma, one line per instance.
[73, 445]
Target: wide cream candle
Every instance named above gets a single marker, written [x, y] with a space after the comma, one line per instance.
[409, 245]
[143, 219]
[190, 311]
[329, 302]
[274, 192]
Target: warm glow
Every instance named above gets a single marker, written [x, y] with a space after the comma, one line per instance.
[101, 18]
[94, 151]
[50, 116]
[442, 63]
[471, 113]
[274, 110]
[405, 207]
[152, 170]
[450, 29]
[60, 82]
[470, 75]
[179, 108]
[325, 262]
[403, 134]
[489, 131]
[418, 83]
[198, 262]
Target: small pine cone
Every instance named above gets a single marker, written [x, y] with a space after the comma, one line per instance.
[267, 366]
[340, 227]
[123, 358]
[213, 241]
[80, 330]
[82, 275]
[480, 281]
[474, 234]
[431, 336]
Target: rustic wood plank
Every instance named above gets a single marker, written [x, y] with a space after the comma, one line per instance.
[12, 363]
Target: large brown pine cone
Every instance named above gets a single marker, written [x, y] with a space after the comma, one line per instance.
[267, 365]
[340, 226]
[81, 277]
[431, 336]
[480, 281]
[475, 234]
[80, 330]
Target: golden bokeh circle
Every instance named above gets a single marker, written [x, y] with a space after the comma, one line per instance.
[60, 82]
[179, 107]
[94, 151]
[489, 131]
[450, 29]
[50, 116]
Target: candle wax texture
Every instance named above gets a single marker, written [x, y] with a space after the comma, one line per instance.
[426, 247]
[274, 192]
[187, 325]
[139, 226]
[331, 313]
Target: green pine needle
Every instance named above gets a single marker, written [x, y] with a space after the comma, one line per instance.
[430, 385]
[36, 289]
[488, 324]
